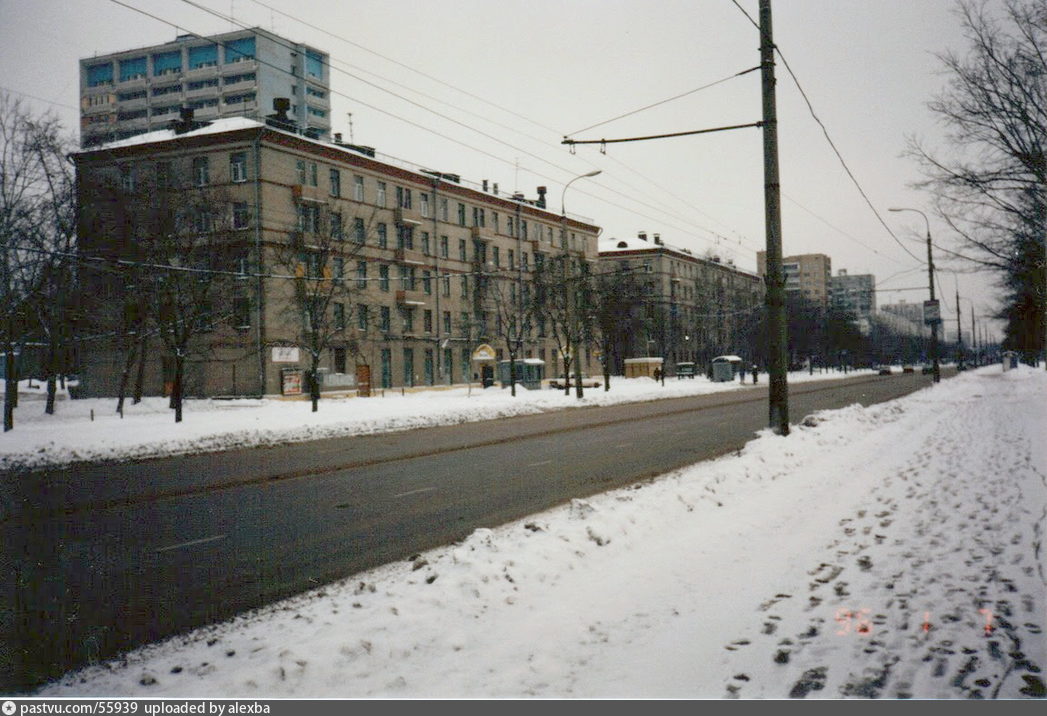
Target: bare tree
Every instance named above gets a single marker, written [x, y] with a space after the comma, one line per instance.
[989, 183]
[321, 301]
[509, 297]
[555, 306]
[617, 298]
[36, 238]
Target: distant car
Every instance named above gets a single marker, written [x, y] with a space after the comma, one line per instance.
[884, 370]
[928, 368]
[908, 369]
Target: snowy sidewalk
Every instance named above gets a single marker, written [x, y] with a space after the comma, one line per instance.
[889, 551]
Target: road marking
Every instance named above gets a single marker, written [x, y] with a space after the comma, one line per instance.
[536, 464]
[414, 492]
[191, 543]
[623, 445]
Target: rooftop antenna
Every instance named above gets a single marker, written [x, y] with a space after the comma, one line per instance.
[516, 177]
[350, 116]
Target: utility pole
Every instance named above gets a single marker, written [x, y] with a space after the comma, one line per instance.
[777, 336]
[959, 326]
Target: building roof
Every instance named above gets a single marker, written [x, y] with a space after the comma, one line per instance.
[217, 126]
[632, 245]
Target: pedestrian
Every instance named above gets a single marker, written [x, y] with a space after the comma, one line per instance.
[657, 375]
[755, 372]
[741, 375]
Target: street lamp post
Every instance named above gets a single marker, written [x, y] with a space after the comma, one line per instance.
[930, 278]
[572, 305]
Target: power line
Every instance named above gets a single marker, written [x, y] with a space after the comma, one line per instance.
[664, 101]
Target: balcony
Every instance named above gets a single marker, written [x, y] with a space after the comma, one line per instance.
[481, 233]
[410, 298]
[407, 217]
[409, 256]
[312, 194]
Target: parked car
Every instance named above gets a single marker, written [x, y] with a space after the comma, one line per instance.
[883, 370]
[908, 369]
[928, 368]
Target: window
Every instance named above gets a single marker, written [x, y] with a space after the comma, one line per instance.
[358, 188]
[132, 69]
[100, 75]
[427, 282]
[444, 251]
[464, 324]
[426, 248]
[523, 230]
[314, 64]
[202, 220]
[202, 84]
[339, 317]
[512, 259]
[163, 175]
[447, 322]
[240, 218]
[127, 178]
[465, 286]
[387, 368]
[447, 285]
[383, 237]
[361, 274]
[523, 261]
[359, 232]
[461, 250]
[241, 311]
[313, 92]
[128, 96]
[461, 214]
[316, 112]
[408, 367]
[203, 56]
[383, 277]
[443, 210]
[237, 79]
[339, 269]
[307, 174]
[494, 222]
[336, 183]
[239, 50]
[361, 317]
[238, 166]
[427, 321]
[381, 194]
[496, 256]
[407, 314]
[339, 360]
[403, 197]
[201, 174]
[423, 201]
[336, 225]
[309, 218]
[385, 319]
[478, 216]
[509, 225]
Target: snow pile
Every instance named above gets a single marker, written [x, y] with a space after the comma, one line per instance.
[87, 430]
[891, 551]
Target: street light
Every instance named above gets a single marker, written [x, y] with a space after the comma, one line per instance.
[930, 276]
[578, 391]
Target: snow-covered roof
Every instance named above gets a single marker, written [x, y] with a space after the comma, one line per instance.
[610, 246]
[229, 124]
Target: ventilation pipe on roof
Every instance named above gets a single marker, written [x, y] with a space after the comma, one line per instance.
[541, 197]
[642, 236]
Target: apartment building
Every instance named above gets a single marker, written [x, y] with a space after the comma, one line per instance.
[806, 275]
[854, 294]
[695, 307]
[239, 73]
[414, 258]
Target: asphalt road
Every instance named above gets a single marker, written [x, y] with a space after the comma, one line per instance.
[107, 557]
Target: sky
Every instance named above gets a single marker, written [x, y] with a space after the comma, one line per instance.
[511, 79]
[818, 565]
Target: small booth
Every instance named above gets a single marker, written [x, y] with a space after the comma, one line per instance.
[529, 373]
[483, 364]
[1010, 360]
[642, 367]
[725, 368]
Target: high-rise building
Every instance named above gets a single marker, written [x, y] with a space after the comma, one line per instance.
[239, 73]
[854, 294]
[807, 275]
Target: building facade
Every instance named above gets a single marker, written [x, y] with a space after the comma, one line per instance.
[806, 275]
[695, 308]
[855, 295]
[239, 73]
[411, 269]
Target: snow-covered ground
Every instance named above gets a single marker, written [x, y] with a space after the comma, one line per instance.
[82, 430]
[891, 551]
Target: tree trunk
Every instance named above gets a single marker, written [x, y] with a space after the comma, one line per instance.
[141, 371]
[567, 376]
[10, 389]
[606, 368]
[52, 360]
[512, 374]
[176, 390]
[125, 375]
[314, 383]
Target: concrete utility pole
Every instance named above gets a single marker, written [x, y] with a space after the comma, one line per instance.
[959, 327]
[777, 334]
[934, 302]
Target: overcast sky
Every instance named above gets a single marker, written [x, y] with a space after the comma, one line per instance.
[516, 77]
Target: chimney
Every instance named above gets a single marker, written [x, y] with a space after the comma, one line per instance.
[485, 185]
[541, 197]
[496, 188]
[337, 137]
[280, 106]
[658, 239]
[642, 236]
[185, 122]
